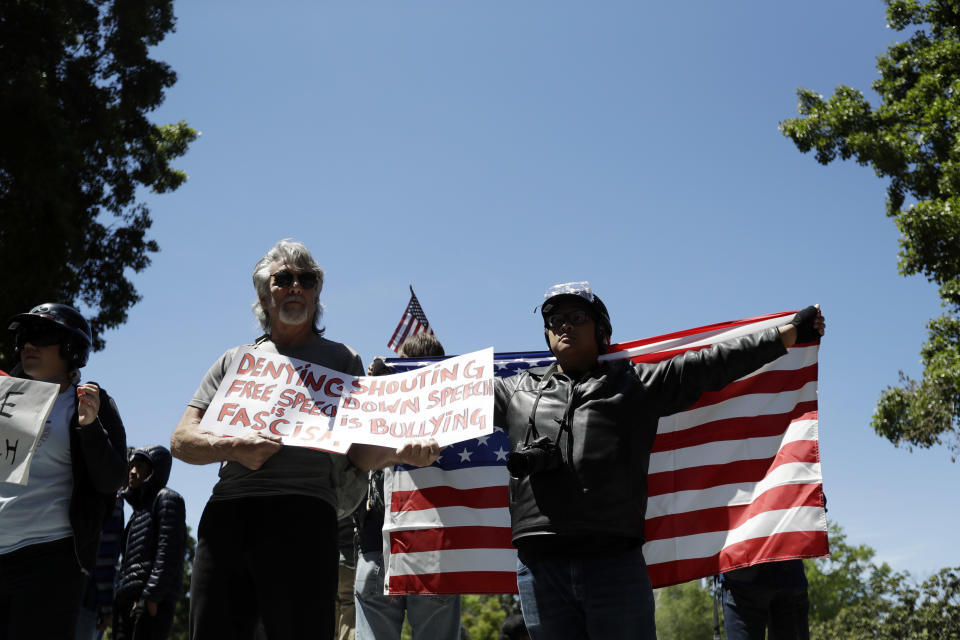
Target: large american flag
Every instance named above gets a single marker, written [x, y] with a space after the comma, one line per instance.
[733, 481]
[412, 322]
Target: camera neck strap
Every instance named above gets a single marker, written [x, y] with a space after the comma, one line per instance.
[532, 420]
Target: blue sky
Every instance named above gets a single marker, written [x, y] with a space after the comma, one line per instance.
[483, 151]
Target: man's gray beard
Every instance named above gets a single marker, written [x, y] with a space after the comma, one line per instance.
[294, 317]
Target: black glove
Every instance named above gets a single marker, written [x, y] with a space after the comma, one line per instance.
[803, 321]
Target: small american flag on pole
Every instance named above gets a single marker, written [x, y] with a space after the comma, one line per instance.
[414, 321]
[734, 480]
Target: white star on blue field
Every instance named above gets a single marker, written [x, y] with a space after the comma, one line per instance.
[485, 451]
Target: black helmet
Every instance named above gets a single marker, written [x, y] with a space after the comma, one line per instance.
[76, 347]
[581, 292]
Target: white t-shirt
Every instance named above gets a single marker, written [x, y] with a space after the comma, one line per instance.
[40, 511]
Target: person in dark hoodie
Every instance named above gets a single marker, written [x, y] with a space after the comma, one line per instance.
[151, 573]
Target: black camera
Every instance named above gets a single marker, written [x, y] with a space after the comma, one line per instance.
[540, 455]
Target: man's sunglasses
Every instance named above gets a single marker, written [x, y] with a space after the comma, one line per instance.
[40, 335]
[575, 318]
[307, 279]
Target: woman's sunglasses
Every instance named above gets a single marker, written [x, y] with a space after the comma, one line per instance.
[307, 279]
[40, 335]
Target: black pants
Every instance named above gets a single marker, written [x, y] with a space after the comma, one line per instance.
[40, 591]
[272, 559]
[749, 610]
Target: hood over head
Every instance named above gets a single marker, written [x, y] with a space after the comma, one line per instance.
[161, 461]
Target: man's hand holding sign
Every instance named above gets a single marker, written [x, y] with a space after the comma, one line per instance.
[250, 449]
[419, 453]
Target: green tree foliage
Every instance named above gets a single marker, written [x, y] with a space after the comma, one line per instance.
[839, 581]
[913, 139]
[853, 598]
[483, 615]
[900, 609]
[75, 146]
[685, 612]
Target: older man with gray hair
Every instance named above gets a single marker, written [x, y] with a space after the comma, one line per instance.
[267, 541]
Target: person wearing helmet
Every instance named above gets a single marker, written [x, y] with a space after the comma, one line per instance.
[581, 432]
[51, 526]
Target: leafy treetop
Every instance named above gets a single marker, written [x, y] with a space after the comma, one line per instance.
[76, 145]
[912, 139]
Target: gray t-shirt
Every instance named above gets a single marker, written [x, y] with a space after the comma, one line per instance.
[292, 470]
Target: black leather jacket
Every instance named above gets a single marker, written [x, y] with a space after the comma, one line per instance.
[606, 422]
[98, 454]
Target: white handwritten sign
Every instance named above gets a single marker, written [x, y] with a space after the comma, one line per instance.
[278, 396]
[307, 405]
[450, 401]
[25, 406]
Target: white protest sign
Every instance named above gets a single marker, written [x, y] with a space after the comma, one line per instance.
[279, 396]
[25, 406]
[450, 401]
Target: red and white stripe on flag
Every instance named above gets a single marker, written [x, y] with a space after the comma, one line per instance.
[448, 531]
[413, 321]
[733, 481]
